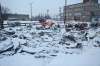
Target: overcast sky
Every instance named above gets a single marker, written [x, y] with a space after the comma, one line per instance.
[39, 6]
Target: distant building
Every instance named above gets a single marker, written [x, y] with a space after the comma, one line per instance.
[18, 16]
[86, 11]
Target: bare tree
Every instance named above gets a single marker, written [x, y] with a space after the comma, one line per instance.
[3, 15]
[1, 19]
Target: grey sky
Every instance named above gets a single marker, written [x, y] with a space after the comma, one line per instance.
[39, 6]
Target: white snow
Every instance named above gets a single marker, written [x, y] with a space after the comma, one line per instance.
[20, 60]
[90, 58]
[5, 45]
[47, 49]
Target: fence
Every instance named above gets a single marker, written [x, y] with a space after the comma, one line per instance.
[61, 23]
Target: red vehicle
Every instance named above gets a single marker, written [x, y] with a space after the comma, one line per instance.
[46, 23]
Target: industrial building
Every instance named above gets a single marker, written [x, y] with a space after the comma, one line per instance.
[86, 11]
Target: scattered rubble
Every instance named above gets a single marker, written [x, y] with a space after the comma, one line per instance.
[45, 43]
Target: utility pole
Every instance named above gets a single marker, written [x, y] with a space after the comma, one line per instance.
[60, 15]
[65, 11]
[31, 11]
[47, 11]
[47, 16]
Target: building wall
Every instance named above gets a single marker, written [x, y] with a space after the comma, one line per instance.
[82, 11]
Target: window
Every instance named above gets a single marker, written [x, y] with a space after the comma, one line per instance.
[96, 19]
[70, 14]
[77, 14]
[84, 1]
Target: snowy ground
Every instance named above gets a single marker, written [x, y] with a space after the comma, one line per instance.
[27, 46]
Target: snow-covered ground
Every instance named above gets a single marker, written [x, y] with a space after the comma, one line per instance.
[28, 46]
